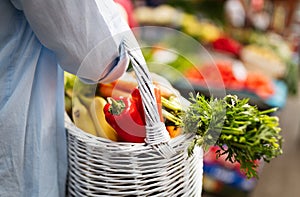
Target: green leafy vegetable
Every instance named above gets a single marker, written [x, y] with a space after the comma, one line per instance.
[243, 133]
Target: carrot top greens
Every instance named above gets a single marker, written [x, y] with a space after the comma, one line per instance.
[243, 133]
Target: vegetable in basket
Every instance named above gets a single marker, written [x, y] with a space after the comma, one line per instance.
[126, 116]
[242, 132]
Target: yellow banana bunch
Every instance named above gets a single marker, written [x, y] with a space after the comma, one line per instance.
[82, 118]
[102, 127]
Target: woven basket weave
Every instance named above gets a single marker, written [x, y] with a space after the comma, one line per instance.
[159, 167]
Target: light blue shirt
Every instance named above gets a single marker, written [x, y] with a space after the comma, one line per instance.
[36, 36]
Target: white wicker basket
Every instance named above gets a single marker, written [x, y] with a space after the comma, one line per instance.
[159, 167]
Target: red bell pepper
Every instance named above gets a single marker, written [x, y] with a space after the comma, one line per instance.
[126, 116]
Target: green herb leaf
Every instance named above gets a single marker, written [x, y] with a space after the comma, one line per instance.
[244, 134]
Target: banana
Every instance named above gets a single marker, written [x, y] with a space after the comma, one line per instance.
[82, 118]
[102, 127]
[68, 105]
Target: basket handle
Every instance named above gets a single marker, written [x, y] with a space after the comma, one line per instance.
[156, 134]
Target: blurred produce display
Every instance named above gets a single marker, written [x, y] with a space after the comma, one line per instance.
[232, 77]
[227, 74]
[261, 52]
[223, 177]
[264, 60]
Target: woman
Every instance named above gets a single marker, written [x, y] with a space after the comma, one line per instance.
[38, 40]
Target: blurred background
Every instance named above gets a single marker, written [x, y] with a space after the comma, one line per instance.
[254, 44]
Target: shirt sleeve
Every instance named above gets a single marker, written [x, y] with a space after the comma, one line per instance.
[87, 36]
